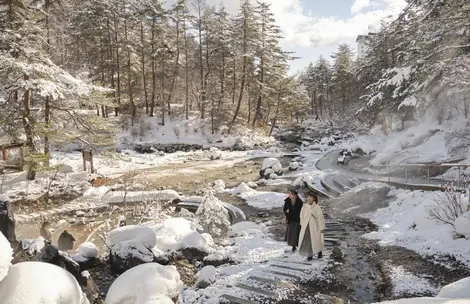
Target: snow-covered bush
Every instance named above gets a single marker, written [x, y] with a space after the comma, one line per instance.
[38, 282]
[6, 255]
[448, 207]
[212, 215]
[149, 283]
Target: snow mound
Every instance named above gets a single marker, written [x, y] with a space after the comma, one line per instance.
[242, 188]
[37, 282]
[246, 228]
[149, 283]
[88, 250]
[194, 240]
[6, 255]
[215, 153]
[462, 225]
[456, 290]
[293, 166]
[33, 246]
[140, 234]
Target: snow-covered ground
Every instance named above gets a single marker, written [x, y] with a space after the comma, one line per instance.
[406, 222]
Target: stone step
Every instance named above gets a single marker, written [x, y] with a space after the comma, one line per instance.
[236, 300]
[283, 274]
[333, 240]
[274, 283]
[260, 291]
[289, 268]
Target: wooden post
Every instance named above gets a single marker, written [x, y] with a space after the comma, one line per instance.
[87, 156]
[428, 177]
[458, 182]
[4, 154]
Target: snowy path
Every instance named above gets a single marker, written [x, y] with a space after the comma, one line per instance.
[277, 278]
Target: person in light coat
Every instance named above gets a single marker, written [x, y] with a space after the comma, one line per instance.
[312, 224]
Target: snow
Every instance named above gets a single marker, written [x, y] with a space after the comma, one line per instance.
[240, 189]
[88, 250]
[206, 274]
[405, 282]
[410, 101]
[33, 246]
[405, 223]
[462, 225]
[456, 290]
[272, 163]
[37, 282]
[264, 200]
[247, 228]
[140, 234]
[427, 301]
[6, 255]
[149, 283]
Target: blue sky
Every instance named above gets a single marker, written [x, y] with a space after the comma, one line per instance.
[315, 27]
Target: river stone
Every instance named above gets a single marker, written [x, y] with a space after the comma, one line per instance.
[7, 220]
[194, 254]
[126, 255]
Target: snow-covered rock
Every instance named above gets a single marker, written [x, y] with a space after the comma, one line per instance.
[88, 250]
[293, 166]
[145, 284]
[219, 186]
[33, 246]
[242, 188]
[139, 234]
[262, 182]
[462, 225]
[215, 153]
[38, 282]
[252, 185]
[270, 165]
[6, 255]
[206, 276]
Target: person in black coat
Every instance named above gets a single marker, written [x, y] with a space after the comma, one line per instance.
[292, 207]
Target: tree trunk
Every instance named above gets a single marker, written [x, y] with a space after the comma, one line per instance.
[111, 59]
[234, 85]
[47, 118]
[201, 66]
[154, 72]
[144, 79]
[186, 100]
[129, 81]
[118, 67]
[29, 132]
[242, 85]
[177, 63]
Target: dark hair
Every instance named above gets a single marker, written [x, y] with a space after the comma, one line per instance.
[313, 195]
[294, 192]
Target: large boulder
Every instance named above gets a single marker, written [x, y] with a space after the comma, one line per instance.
[6, 256]
[147, 283]
[37, 282]
[7, 220]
